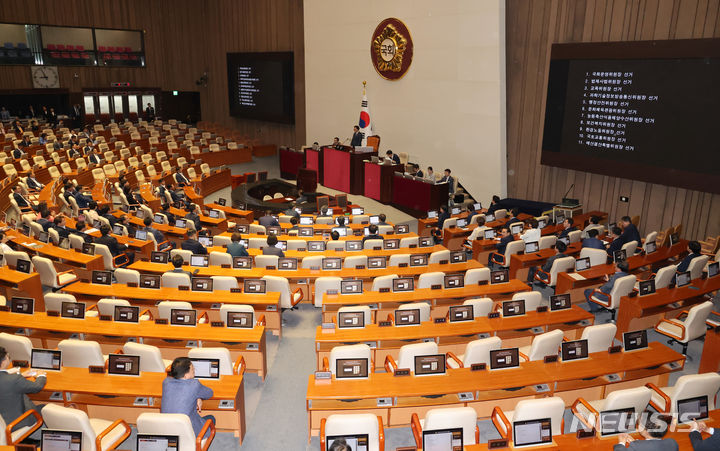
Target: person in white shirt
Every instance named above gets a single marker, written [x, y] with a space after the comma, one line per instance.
[429, 174]
[3, 243]
[594, 221]
[531, 233]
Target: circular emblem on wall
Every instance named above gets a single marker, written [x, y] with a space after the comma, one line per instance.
[391, 49]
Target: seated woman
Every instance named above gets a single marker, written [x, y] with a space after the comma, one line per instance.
[182, 393]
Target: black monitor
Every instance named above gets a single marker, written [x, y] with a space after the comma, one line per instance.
[617, 421]
[402, 228]
[650, 247]
[560, 302]
[242, 262]
[316, 246]
[682, 279]
[43, 237]
[257, 286]
[392, 243]
[201, 284]
[206, 241]
[443, 440]
[183, 317]
[222, 202]
[692, 409]
[101, 277]
[377, 262]
[504, 358]
[199, 260]
[287, 263]
[459, 313]
[425, 241]
[22, 265]
[159, 257]
[88, 248]
[620, 256]
[581, 264]
[124, 364]
[574, 350]
[516, 227]
[242, 320]
[454, 281]
[25, 230]
[559, 218]
[74, 310]
[513, 308]
[351, 368]
[455, 210]
[150, 281]
[532, 246]
[61, 440]
[22, 305]
[646, 287]
[713, 269]
[141, 235]
[500, 276]
[353, 245]
[418, 259]
[356, 442]
[273, 230]
[331, 263]
[426, 365]
[635, 340]
[408, 317]
[45, 359]
[674, 239]
[351, 287]
[118, 229]
[206, 368]
[458, 257]
[403, 284]
[532, 432]
[350, 320]
[305, 231]
[126, 314]
[242, 228]
[432, 214]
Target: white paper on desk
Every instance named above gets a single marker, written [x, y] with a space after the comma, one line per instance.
[92, 230]
[576, 276]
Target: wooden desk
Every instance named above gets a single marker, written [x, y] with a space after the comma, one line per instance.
[245, 216]
[16, 283]
[379, 180]
[216, 225]
[112, 335]
[519, 263]
[455, 236]
[514, 331]
[344, 169]
[568, 380]
[710, 360]
[63, 258]
[416, 197]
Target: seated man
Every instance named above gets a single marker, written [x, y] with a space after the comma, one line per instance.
[33, 183]
[592, 241]
[381, 219]
[694, 248]
[178, 262]
[334, 235]
[59, 224]
[192, 244]
[341, 225]
[617, 243]
[567, 228]
[531, 233]
[14, 388]
[268, 220]
[24, 204]
[293, 224]
[630, 232]
[324, 211]
[112, 244]
[652, 432]
[373, 229]
[393, 158]
[513, 216]
[543, 276]
[594, 221]
[709, 444]
[494, 205]
[166, 211]
[180, 179]
[44, 219]
[498, 256]
[158, 235]
[194, 215]
[271, 248]
[621, 270]
[235, 248]
[447, 178]
[442, 216]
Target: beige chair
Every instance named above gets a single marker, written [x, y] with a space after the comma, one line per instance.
[9, 437]
[687, 326]
[174, 280]
[227, 366]
[447, 418]
[49, 277]
[530, 409]
[476, 351]
[407, 354]
[322, 285]
[511, 249]
[350, 424]
[664, 399]
[81, 353]
[599, 336]
[475, 275]
[18, 347]
[179, 424]
[97, 434]
[542, 345]
[588, 412]
[151, 360]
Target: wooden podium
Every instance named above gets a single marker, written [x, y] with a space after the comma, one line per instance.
[379, 180]
[343, 169]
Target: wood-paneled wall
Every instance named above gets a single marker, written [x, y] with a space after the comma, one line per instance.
[183, 39]
[532, 26]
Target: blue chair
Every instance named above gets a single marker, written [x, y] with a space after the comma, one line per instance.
[9, 45]
[21, 45]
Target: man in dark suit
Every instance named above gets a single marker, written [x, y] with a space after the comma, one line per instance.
[373, 229]
[493, 205]
[104, 211]
[268, 220]
[194, 216]
[178, 262]
[621, 270]
[652, 432]
[567, 228]
[179, 178]
[77, 116]
[24, 204]
[166, 211]
[14, 388]
[630, 232]
[235, 248]
[693, 252]
[158, 235]
[270, 249]
[150, 112]
[33, 183]
[44, 219]
[17, 153]
[592, 240]
[192, 244]
[505, 238]
[560, 249]
[381, 219]
[447, 178]
[357, 137]
[95, 157]
[616, 243]
[52, 117]
[59, 224]
[112, 244]
[513, 216]
[389, 155]
[709, 444]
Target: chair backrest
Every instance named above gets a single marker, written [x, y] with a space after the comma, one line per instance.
[575, 236]
[263, 261]
[535, 409]
[694, 385]
[18, 347]
[545, 344]
[383, 281]
[357, 351]
[560, 265]
[53, 301]
[354, 261]
[293, 245]
[398, 259]
[323, 284]
[481, 306]
[513, 248]
[335, 245]
[650, 238]
[596, 256]
[438, 256]
[424, 308]
[66, 418]
[175, 279]
[478, 351]
[223, 354]
[151, 360]
[407, 353]
[81, 353]
[638, 398]
[450, 222]
[161, 423]
[546, 242]
[102, 250]
[475, 275]
[622, 287]
[409, 241]
[186, 255]
[280, 285]
[126, 276]
[220, 258]
[500, 213]
[695, 321]
[453, 417]
[44, 266]
[313, 261]
[371, 244]
[224, 283]
[664, 276]
[599, 336]
[106, 306]
[11, 258]
[697, 265]
[164, 308]
[428, 279]
[532, 299]
[350, 424]
[630, 247]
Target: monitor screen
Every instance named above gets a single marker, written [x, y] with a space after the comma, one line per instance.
[391, 243]
[206, 241]
[403, 284]
[532, 432]
[692, 409]
[454, 281]
[351, 287]
[25, 230]
[713, 269]
[101, 277]
[458, 256]
[306, 220]
[646, 287]
[215, 214]
[22, 305]
[141, 235]
[242, 228]
[159, 257]
[180, 223]
[635, 340]
[620, 256]
[257, 286]
[504, 358]
[532, 246]
[461, 222]
[560, 302]
[542, 223]
[377, 262]
[183, 317]
[351, 368]
[331, 263]
[477, 206]
[500, 276]
[148, 442]
[159, 219]
[123, 364]
[88, 249]
[242, 262]
[222, 202]
[305, 231]
[206, 368]
[75, 310]
[516, 227]
[409, 317]
[581, 264]
[402, 228]
[316, 246]
[682, 279]
[459, 313]
[45, 359]
[425, 241]
[617, 421]
[57, 440]
[418, 260]
[202, 284]
[126, 314]
[351, 320]
[650, 247]
[358, 211]
[358, 442]
[243, 320]
[374, 219]
[432, 214]
[199, 260]
[443, 440]
[342, 231]
[150, 281]
[353, 245]
[559, 219]
[140, 214]
[489, 234]
[43, 237]
[22, 265]
[273, 230]
[574, 350]
[514, 308]
[429, 364]
[287, 263]
[489, 217]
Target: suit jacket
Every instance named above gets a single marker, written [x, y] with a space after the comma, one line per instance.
[667, 444]
[549, 262]
[194, 246]
[268, 221]
[616, 245]
[112, 244]
[158, 235]
[709, 444]
[356, 139]
[195, 219]
[21, 201]
[608, 286]
[593, 243]
[685, 264]
[503, 244]
[237, 250]
[17, 153]
[268, 250]
[33, 183]
[112, 219]
[630, 233]
[13, 396]
[450, 181]
[180, 179]
[441, 219]
[564, 233]
[63, 232]
[44, 223]
[94, 158]
[181, 395]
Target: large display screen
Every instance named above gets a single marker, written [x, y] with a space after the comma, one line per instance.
[261, 86]
[646, 110]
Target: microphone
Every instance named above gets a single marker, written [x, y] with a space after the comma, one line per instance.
[568, 191]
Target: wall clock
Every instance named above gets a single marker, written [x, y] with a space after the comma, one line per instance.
[45, 77]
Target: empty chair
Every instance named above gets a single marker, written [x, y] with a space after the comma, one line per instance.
[49, 277]
[411, 241]
[423, 307]
[220, 258]
[475, 275]
[151, 171]
[439, 256]
[371, 244]
[398, 259]
[53, 172]
[110, 262]
[256, 229]
[447, 418]
[687, 326]
[180, 425]
[542, 345]
[224, 283]
[575, 236]
[239, 308]
[664, 276]
[665, 399]
[281, 285]
[649, 238]
[360, 219]
[313, 261]
[637, 398]
[599, 336]
[322, 285]
[428, 279]
[530, 409]
[97, 434]
[81, 354]
[53, 301]
[65, 167]
[257, 243]
[407, 354]
[622, 287]
[532, 299]
[166, 307]
[263, 261]
[481, 306]
[546, 242]
[120, 166]
[18, 347]
[559, 265]
[354, 261]
[596, 256]
[227, 367]
[140, 176]
[351, 424]
[383, 282]
[293, 245]
[357, 351]
[174, 280]
[630, 248]
[477, 351]
[106, 307]
[151, 360]
[335, 246]
[127, 276]
[219, 240]
[385, 229]
[500, 213]
[449, 223]
[11, 258]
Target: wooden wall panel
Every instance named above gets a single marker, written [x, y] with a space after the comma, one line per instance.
[532, 27]
[183, 39]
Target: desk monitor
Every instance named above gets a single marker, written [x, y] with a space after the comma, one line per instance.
[477, 206]
[199, 260]
[206, 241]
[88, 248]
[201, 284]
[489, 217]
[501, 359]
[331, 263]
[532, 246]
[713, 269]
[374, 219]
[565, 240]
[351, 287]
[458, 257]
[455, 210]
[43, 237]
[559, 218]
[124, 364]
[581, 264]
[242, 262]
[532, 432]
[574, 350]
[351, 368]
[257, 286]
[513, 308]
[342, 231]
[432, 214]
[454, 281]
[617, 421]
[58, 440]
[158, 219]
[403, 284]
[357, 211]
[273, 230]
[402, 228]
[674, 238]
[287, 263]
[542, 223]
[159, 257]
[393, 243]
[101, 277]
[351, 320]
[353, 245]
[425, 241]
[429, 364]
[691, 409]
[611, 226]
[357, 442]
[22, 305]
[516, 227]
[183, 317]
[97, 224]
[646, 287]
[489, 234]
[650, 247]
[45, 359]
[206, 368]
[126, 314]
[459, 313]
[560, 302]
[215, 214]
[140, 214]
[306, 220]
[461, 222]
[25, 230]
[632, 341]
[682, 279]
[242, 320]
[150, 281]
[74, 310]
[316, 246]
[180, 223]
[500, 276]
[377, 262]
[443, 440]
[142, 235]
[409, 317]
[222, 202]
[242, 228]
[418, 259]
[305, 231]
[620, 256]
[366, 231]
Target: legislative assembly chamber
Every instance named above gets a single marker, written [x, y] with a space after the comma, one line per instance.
[382, 225]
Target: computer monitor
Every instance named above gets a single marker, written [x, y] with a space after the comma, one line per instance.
[88, 248]
[426, 365]
[366, 231]
[356, 442]
[477, 206]
[646, 287]
[215, 214]
[180, 223]
[242, 262]
[461, 222]
[357, 211]
[74, 310]
[141, 235]
[257, 286]
[489, 234]
[377, 262]
[393, 243]
[454, 281]
[287, 263]
[635, 340]
[201, 284]
[101, 277]
[418, 260]
[222, 202]
[351, 287]
[43, 237]
[458, 257]
[158, 219]
[458, 313]
[516, 227]
[574, 350]
[342, 231]
[620, 256]
[183, 317]
[25, 230]
[489, 217]
[532, 246]
[126, 314]
[403, 284]
[351, 320]
[374, 219]
[560, 302]
[692, 409]
[409, 317]
[159, 257]
[617, 421]
[273, 230]
[674, 238]
[581, 264]
[305, 231]
[206, 241]
[242, 228]
[565, 240]
[45, 359]
[559, 218]
[425, 241]
[500, 276]
[682, 279]
[199, 260]
[713, 269]
[22, 265]
[140, 214]
[353, 245]
[60, 440]
[443, 440]
[331, 263]
[351, 368]
[124, 364]
[501, 359]
[513, 308]
[650, 247]
[402, 228]
[306, 220]
[542, 223]
[242, 320]
[150, 281]
[532, 432]
[316, 246]
[22, 305]
[206, 368]
[432, 214]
